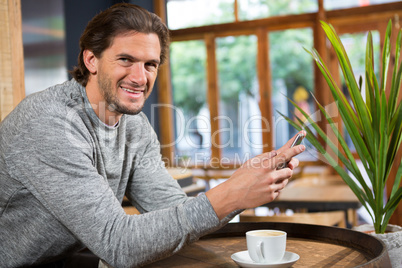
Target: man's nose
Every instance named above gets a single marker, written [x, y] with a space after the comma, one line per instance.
[137, 74]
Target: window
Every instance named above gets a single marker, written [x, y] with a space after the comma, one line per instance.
[44, 47]
[257, 9]
[193, 130]
[240, 117]
[251, 64]
[341, 4]
[191, 13]
[292, 77]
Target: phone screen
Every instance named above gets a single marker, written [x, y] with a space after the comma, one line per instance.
[295, 142]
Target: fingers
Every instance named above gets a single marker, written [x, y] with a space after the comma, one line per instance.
[293, 163]
[276, 188]
[289, 142]
[285, 159]
[261, 161]
[266, 156]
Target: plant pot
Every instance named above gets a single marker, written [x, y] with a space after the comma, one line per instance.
[392, 239]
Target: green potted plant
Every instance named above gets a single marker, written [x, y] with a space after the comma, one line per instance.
[374, 124]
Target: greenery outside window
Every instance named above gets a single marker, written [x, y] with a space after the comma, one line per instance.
[257, 9]
[341, 4]
[193, 129]
[192, 13]
[240, 117]
[250, 67]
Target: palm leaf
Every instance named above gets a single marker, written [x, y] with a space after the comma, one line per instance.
[374, 126]
[357, 99]
[352, 124]
[362, 196]
[396, 78]
[350, 162]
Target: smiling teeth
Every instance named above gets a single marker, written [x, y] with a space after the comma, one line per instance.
[131, 91]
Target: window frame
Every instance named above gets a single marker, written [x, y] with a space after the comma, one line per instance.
[351, 20]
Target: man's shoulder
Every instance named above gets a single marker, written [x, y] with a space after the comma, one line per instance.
[60, 94]
[53, 102]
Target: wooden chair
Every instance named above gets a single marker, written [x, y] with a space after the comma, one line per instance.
[130, 210]
[308, 181]
[312, 168]
[208, 173]
[323, 180]
[329, 218]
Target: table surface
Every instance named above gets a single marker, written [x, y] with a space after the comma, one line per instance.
[332, 196]
[313, 252]
[318, 193]
[217, 252]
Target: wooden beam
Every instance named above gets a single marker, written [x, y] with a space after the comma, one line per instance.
[265, 85]
[166, 122]
[273, 23]
[321, 89]
[236, 10]
[213, 96]
[12, 86]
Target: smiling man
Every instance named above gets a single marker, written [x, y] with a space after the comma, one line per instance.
[124, 76]
[70, 153]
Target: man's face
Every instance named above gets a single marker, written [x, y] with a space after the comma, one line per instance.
[126, 72]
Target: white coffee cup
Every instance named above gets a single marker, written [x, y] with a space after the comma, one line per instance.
[266, 246]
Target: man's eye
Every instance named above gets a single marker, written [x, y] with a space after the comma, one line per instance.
[124, 59]
[152, 65]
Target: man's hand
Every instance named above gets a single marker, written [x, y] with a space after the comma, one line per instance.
[256, 182]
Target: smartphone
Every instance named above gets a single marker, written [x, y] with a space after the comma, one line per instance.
[295, 142]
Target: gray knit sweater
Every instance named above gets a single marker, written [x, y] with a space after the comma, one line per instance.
[63, 175]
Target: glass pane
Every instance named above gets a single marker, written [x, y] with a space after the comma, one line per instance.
[341, 4]
[192, 13]
[355, 45]
[256, 9]
[193, 128]
[240, 116]
[292, 76]
[44, 47]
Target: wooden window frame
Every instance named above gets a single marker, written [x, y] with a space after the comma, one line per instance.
[12, 83]
[356, 19]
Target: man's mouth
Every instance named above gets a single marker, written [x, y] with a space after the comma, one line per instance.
[131, 91]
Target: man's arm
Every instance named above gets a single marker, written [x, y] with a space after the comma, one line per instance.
[58, 169]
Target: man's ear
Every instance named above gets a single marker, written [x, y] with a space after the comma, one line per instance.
[90, 61]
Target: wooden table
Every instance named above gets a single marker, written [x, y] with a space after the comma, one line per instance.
[317, 246]
[318, 197]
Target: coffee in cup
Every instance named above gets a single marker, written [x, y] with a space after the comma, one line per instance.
[266, 246]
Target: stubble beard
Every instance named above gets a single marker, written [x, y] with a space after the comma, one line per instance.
[113, 103]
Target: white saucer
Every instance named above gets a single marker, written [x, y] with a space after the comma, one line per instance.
[242, 258]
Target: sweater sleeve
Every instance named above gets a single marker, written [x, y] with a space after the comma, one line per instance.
[150, 186]
[54, 160]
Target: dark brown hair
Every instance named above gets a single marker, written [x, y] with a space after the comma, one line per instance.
[118, 19]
